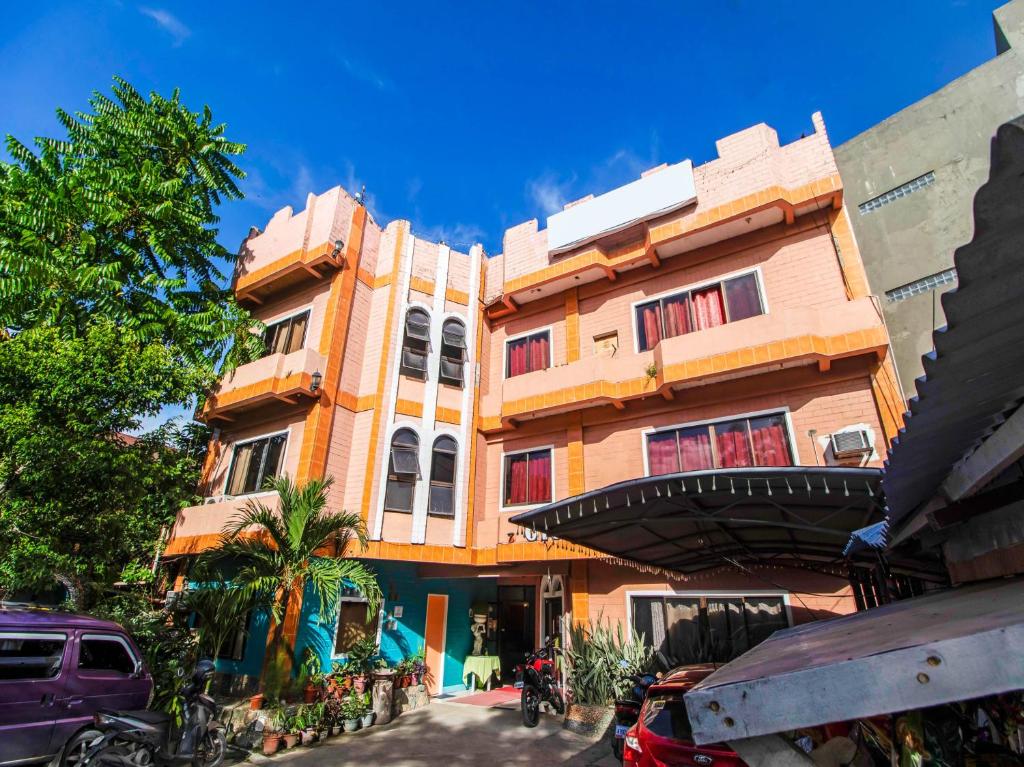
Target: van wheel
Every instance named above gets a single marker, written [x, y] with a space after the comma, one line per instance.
[76, 748]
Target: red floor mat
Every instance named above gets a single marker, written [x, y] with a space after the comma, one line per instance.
[490, 698]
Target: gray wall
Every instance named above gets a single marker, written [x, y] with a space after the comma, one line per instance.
[947, 133]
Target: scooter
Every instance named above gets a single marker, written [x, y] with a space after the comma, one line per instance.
[153, 739]
[538, 680]
[627, 710]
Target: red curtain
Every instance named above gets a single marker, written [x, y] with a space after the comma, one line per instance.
[677, 315]
[663, 453]
[695, 449]
[539, 352]
[517, 357]
[733, 445]
[515, 481]
[771, 446]
[540, 477]
[708, 309]
[744, 300]
[649, 320]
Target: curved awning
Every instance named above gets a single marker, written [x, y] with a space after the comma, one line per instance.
[691, 521]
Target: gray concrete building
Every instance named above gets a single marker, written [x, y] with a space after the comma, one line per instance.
[910, 181]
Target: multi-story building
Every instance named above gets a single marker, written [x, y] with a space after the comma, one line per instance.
[698, 318]
[910, 182]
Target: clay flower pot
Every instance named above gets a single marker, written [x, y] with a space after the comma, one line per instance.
[256, 702]
[271, 742]
[308, 694]
[359, 684]
[290, 739]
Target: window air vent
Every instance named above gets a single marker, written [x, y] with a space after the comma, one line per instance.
[847, 444]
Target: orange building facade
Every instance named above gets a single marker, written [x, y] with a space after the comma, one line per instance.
[697, 318]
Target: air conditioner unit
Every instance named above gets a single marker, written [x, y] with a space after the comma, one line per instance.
[847, 444]
[211, 499]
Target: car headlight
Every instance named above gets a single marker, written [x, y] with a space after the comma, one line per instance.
[633, 742]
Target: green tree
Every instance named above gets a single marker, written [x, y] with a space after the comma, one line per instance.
[79, 500]
[221, 608]
[117, 220]
[275, 554]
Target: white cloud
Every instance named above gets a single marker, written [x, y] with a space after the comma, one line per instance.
[168, 22]
[548, 193]
[460, 235]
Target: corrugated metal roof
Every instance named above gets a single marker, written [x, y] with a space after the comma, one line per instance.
[974, 378]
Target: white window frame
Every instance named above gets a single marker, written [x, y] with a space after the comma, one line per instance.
[783, 411]
[758, 277]
[711, 593]
[45, 635]
[549, 329]
[231, 465]
[337, 625]
[504, 468]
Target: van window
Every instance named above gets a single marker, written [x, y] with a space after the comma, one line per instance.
[105, 654]
[30, 655]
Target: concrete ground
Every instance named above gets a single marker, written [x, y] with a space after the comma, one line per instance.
[446, 734]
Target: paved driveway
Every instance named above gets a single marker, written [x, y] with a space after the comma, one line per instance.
[446, 734]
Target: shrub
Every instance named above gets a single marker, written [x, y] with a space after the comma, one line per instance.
[600, 661]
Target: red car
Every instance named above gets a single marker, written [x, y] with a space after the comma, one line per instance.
[662, 736]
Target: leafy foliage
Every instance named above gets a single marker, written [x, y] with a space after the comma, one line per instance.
[600, 661]
[275, 553]
[220, 609]
[79, 500]
[117, 220]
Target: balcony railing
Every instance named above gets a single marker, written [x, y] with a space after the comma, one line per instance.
[198, 528]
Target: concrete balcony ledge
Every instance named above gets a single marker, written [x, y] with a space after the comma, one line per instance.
[198, 528]
[788, 337]
[277, 377]
[258, 275]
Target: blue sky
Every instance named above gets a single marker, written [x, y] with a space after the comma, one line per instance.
[468, 118]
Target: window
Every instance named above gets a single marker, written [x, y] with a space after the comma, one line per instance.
[354, 625]
[527, 354]
[255, 462]
[27, 656]
[757, 441]
[710, 306]
[442, 478]
[705, 629]
[105, 653]
[528, 477]
[453, 352]
[416, 344]
[923, 285]
[665, 716]
[403, 471]
[894, 194]
[286, 336]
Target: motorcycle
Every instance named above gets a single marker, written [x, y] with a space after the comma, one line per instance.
[154, 739]
[538, 679]
[627, 710]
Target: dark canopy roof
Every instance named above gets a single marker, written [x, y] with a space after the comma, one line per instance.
[693, 521]
[973, 379]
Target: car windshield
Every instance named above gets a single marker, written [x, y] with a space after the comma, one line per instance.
[665, 715]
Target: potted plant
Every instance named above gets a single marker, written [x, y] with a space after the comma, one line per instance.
[367, 717]
[359, 659]
[419, 668]
[332, 715]
[272, 736]
[318, 720]
[291, 726]
[382, 670]
[311, 672]
[401, 674]
[352, 712]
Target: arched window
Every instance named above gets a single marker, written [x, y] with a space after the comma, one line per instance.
[442, 478]
[416, 343]
[403, 471]
[453, 352]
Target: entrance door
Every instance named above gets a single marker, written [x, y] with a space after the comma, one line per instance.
[553, 619]
[433, 636]
[516, 625]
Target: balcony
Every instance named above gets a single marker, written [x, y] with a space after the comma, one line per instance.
[276, 378]
[787, 338]
[259, 274]
[198, 528]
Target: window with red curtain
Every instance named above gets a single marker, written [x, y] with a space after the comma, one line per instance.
[771, 441]
[736, 443]
[708, 309]
[742, 297]
[527, 354]
[648, 325]
[528, 478]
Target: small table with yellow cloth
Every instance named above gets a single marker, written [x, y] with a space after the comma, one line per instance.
[480, 670]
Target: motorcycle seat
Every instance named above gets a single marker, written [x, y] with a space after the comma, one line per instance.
[149, 717]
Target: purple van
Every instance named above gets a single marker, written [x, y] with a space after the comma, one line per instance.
[56, 671]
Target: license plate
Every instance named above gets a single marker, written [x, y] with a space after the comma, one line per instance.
[620, 730]
[518, 685]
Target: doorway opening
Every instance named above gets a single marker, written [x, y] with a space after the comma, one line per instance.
[516, 625]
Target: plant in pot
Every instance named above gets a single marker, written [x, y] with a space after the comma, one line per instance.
[359, 659]
[311, 672]
[419, 667]
[402, 674]
[343, 673]
[367, 717]
[381, 669]
[332, 715]
[290, 725]
[272, 726]
[351, 712]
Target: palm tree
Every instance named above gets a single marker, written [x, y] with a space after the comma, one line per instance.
[276, 553]
[221, 607]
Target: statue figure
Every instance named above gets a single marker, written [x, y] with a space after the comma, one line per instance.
[479, 630]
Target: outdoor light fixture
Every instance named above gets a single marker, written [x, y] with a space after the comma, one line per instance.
[315, 380]
[338, 245]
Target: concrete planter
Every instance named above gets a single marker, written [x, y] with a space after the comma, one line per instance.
[587, 720]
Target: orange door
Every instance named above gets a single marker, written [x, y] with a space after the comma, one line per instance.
[433, 635]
